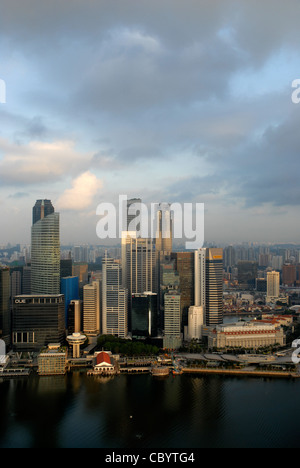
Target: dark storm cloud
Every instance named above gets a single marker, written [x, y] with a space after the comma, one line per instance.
[125, 86]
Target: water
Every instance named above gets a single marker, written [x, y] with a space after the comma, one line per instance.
[141, 411]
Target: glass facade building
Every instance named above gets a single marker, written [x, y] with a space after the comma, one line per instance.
[144, 315]
[45, 255]
[69, 287]
[37, 321]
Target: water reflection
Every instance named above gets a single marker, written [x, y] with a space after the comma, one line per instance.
[140, 411]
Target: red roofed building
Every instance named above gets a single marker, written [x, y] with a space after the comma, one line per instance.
[104, 364]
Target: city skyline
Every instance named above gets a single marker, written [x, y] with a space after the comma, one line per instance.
[193, 108]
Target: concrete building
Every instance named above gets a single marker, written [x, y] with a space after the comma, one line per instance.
[200, 278]
[164, 234]
[53, 360]
[91, 309]
[289, 275]
[246, 335]
[114, 300]
[172, 326]
[195, 323]
[214, 287]
[74, 317]
[273, 286]
[75, 341]
[138, 264]
[185, 266]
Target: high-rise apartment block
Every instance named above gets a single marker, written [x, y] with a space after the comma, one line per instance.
[273, 286]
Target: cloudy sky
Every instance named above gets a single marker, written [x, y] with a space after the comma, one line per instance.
[169, 100]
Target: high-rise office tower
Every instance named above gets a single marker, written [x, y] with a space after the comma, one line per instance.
[164, 235]
[69, 287]
[195, 323]
[144, 315]
[200, 278]
[273, 285]
[114, 300]
[42, 209]
[74, 317]
[196, 314]
[5, 315]
[45, 250]
[214, 287]
[37, 321]
[138, 264]
[91, 309]
[185, 265]
[172, 336]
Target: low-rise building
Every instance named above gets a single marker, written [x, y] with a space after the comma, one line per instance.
[53, 360]
[246, 335]
[104, 364]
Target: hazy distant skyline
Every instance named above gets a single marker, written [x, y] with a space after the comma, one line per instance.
[166, 100]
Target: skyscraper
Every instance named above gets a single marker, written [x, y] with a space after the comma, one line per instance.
[70, 289]
[172, 337]
[42, 209]
[273, 285]
[91, 309]
[45, 250]
[138, 264]
[5, 315]
[164, 235]
[214, 287]
[37, 321]
[196, 314]
[185, 265]
[144, 315]
[200, 278]
[114, 300]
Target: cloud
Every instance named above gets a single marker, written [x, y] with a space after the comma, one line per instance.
[80, 197]
[39, 162]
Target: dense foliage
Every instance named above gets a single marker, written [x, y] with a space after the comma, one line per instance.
[126, 347]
